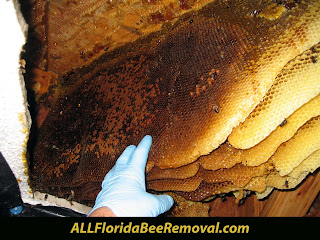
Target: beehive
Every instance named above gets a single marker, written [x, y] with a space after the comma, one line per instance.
[227, 90]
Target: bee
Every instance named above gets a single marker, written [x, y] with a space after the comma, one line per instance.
[216, 108]
[286, 184]
[284, 122]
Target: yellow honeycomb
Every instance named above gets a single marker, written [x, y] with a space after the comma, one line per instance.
[309, 165]
[291, 153]
[264, 150]
[297, 83]
[176, 173]
[274, 180]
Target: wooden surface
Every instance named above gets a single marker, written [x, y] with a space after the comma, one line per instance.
[286, 203]
[294, 203]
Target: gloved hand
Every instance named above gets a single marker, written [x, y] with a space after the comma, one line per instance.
[124, 189]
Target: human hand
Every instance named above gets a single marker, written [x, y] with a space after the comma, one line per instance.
[124, 189]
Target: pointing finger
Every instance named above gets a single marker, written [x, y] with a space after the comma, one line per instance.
[140, 155]
[126, 155]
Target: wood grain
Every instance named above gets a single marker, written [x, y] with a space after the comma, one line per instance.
[294, 203]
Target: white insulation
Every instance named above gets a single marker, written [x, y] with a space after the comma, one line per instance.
[15, 119]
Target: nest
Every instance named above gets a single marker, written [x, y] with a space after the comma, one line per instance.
[229, 93]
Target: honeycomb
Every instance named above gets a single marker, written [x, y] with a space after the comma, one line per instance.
[187, 208]
[291, 153]
[205, 191]
[176, 173]
[297, 83]
[229, 94]
[238, 175]
[294, 178]
[309, 165]
[261, 152]
[227, 156]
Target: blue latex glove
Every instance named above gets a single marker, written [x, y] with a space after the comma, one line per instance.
[124, 189]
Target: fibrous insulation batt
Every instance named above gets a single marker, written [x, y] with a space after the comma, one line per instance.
[14, 116]
[15, 120]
